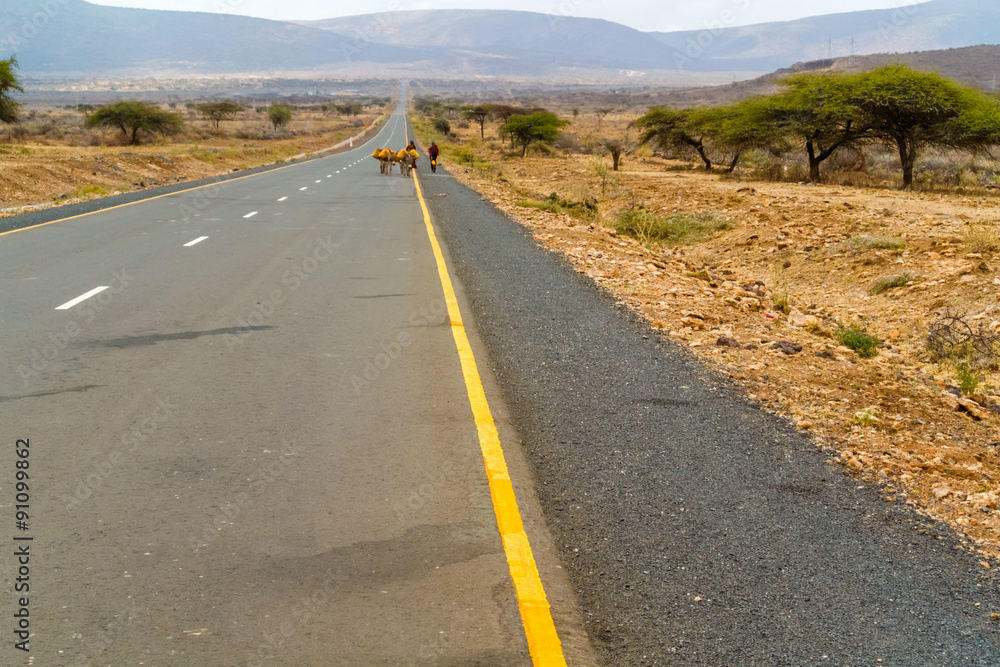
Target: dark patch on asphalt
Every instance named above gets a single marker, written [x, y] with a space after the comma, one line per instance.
[709, 534]
[664, 402]
[55, 392]
[153, 339]
[381, 296]
[412, 556]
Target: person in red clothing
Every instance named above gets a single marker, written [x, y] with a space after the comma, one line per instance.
[433, 153]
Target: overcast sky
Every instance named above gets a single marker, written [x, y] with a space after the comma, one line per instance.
[641, 14]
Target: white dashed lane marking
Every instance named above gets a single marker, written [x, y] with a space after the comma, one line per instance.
[196, 242]
[81, 299]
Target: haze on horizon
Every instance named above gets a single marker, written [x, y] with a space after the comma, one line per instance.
[645, 15]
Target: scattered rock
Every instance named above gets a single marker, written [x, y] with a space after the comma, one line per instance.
[973, 408]
[799, 319]
[787, 346]
[942, 492]
[826, 354]
[727, 342]
[984, 501]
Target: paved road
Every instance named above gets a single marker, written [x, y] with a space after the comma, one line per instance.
[255, 446]
[697, 529]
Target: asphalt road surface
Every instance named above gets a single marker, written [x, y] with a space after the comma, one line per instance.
[254, 446]
[697, 529]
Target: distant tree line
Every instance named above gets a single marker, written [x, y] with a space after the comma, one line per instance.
[821, 114]
[521, 125]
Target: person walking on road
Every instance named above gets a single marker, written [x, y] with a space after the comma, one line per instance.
[433, 153]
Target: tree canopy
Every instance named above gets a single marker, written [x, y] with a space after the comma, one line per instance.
[824, 113]
[815, 110]
[131, 117]
[9, 81]
[540, 126]
[279, 115]
[909, 110]
[220, 111]
[669, 128]
[479, 113]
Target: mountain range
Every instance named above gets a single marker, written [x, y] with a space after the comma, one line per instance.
[77, 38]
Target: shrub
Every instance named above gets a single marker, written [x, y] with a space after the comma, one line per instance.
[88, 191]
[583, 210]
[981, 238]
[856, 337]
[870, 417]
[442, 125]
[968, 381]
[866, 243]
[888, 283]
[676, 228]
[952, 338]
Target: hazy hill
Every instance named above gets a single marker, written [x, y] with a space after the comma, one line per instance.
[538, 39]
[89, 40]
[977, 66]
[934, 25]
[86, 39]
[937, 24]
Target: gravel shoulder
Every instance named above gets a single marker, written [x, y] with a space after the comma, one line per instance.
[697, 528]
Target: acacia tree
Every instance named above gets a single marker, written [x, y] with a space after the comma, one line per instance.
[479, 113]
[540, 126]
[601, 115]
[9, 81]
[815, 109]
[615, 147]
[669, 128]
[910, 110]
[219, 111]
[131, 117]
[279, 115]
[733, 130]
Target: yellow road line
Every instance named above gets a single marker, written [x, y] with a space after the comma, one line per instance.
[543, 641]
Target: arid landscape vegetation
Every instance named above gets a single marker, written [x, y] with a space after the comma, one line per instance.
[866, 315]
[51, 156]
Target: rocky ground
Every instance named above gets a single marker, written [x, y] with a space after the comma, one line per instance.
[760, 304]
